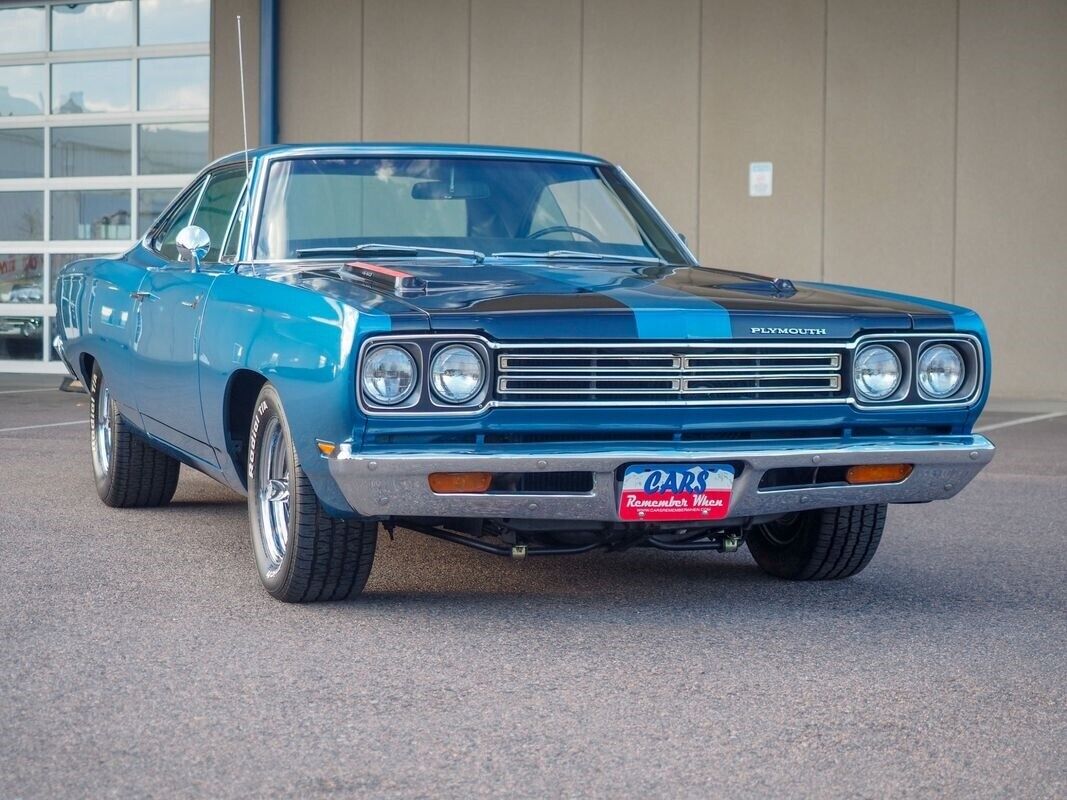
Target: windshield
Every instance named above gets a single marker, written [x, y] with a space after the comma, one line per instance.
[410, 207]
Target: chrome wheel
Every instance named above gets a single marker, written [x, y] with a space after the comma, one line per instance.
[272, 494]
[102, 430]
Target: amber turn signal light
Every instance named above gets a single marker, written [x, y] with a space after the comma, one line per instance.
[460, 482]
[326, 448]
[878, 473]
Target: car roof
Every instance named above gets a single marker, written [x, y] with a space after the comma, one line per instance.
[400, 149]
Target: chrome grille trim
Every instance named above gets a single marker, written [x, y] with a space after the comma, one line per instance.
[666, 375]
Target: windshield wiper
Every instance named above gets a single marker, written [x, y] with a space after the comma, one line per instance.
[577, 254]
[393, 250]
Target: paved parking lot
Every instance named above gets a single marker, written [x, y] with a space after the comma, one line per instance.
[141, 658]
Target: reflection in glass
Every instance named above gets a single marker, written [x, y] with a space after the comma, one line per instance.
[150, 204]
[90, 86]
[21, 153]
[21, 338]
[22, 278]
[97, 214]
[57, 261]
[22, 90]
[21, 30]
[77, 26]
[173, 84]
[173, 149]
[94, 150]
[174, 21]
[21, 216]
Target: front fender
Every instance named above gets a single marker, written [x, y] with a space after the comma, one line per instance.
[304, 343]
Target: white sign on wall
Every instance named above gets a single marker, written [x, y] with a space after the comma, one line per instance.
[760, 179]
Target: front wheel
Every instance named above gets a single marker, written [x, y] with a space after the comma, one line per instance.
[823, 544]
[302, 553]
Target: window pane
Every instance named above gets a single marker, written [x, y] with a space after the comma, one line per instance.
[22, 279]
[179, 218]
[96, 150]
[76, 26]
[100, 214]
[150, 204]
[22, 338]
[21, 216]
[216, 207]
[173, 149]
[175, 21]
[173, 84]
[90, 86]
[21, 30]
[21, 153]
[22, 90]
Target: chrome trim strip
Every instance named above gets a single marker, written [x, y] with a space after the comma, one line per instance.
[395, 483]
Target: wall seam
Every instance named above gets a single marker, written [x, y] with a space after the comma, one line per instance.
[363, 71]
[700, 120]
[825, 117]
[470, 58]
[581, 75]
[956, 154]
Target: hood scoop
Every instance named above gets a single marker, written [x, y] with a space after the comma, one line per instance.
[384, 279]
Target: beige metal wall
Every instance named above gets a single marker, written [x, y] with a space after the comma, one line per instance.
[918, 145]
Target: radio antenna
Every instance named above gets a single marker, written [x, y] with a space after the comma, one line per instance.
[241, 69]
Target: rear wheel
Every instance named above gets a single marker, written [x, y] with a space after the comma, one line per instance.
[823, 544]
[130, 473]
[302, 553]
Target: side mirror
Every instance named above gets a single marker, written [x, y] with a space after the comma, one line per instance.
[192, 243]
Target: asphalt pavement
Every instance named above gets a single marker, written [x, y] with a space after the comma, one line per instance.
[141, 658]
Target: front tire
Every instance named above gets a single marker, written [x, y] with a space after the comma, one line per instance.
[129, 472]
[824, 544]
[302, 553]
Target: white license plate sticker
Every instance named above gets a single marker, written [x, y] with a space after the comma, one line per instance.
[675, 492]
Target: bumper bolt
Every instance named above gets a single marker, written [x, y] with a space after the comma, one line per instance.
[974, 455]
[372, 465]
[816, 459]
[541, 465]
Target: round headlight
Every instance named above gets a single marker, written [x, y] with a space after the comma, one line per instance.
[940, 373]
[388, 375]
[456, 373]
[877, 372]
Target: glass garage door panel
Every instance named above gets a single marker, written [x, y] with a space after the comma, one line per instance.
[22, 338]
[103, 119]
[93, 214]
[21, 153]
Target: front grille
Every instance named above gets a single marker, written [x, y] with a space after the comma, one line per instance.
[678, 375]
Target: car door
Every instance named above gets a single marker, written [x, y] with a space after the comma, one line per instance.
[171, 307]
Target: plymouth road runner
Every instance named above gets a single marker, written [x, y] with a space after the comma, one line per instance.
[508, 349]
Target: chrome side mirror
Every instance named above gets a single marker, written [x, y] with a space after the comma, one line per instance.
[192, 243]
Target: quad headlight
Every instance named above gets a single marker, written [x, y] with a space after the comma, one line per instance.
[940, 371]
[456, 374]
[876, 372]
[389, 375]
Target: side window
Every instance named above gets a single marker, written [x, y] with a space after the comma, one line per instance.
[178, 218]
[233, 236]
[216, 207]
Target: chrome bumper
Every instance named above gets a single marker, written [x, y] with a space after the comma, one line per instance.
[395, 483]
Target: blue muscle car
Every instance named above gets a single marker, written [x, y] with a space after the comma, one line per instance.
[508, 349]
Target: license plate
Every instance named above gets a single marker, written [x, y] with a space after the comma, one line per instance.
[675, 492]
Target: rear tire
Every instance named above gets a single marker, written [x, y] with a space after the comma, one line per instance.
[302, 553]
[823, 544]
[130, 473]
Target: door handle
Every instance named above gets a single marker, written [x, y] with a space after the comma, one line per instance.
[142, 296]
[192, 303]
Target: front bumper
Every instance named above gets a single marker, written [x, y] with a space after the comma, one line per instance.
[394, 483]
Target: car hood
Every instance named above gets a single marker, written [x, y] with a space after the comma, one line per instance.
[588, 301]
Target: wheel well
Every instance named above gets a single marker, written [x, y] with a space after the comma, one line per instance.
[86, 365]
[241, 397]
